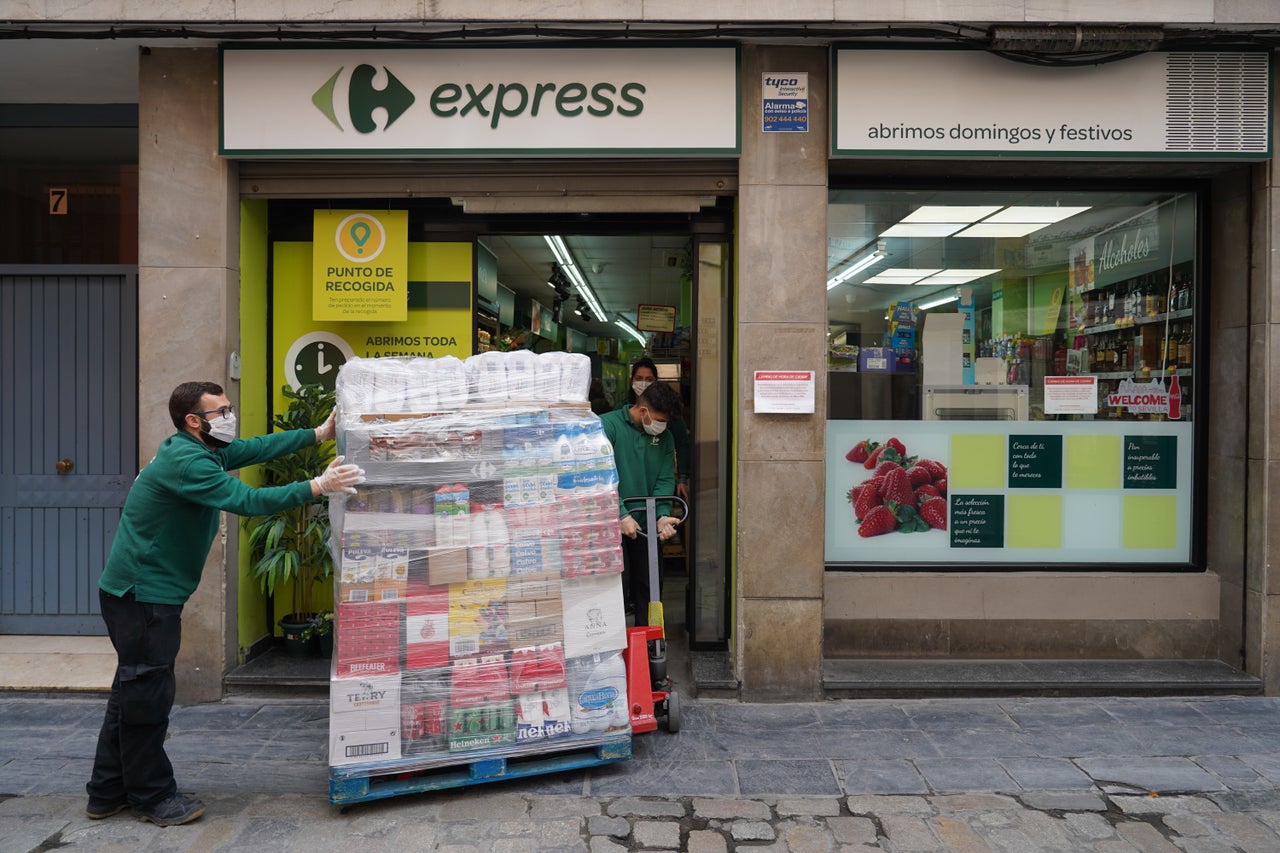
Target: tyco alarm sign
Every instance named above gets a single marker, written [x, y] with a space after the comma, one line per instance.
[360, 265]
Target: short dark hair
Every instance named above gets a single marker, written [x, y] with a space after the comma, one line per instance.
[644, 362]
[186, 397]
[661, 398]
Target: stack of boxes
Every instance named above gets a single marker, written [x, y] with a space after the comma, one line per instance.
[479, 600]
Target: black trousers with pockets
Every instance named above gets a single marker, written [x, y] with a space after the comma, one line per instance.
[131, 762]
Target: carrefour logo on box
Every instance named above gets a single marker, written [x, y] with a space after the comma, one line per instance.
[476, 100]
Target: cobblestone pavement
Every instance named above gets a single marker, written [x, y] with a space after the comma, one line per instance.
[1194, 774]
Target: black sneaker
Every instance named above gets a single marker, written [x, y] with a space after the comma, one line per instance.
[98, 809]
[174, 810]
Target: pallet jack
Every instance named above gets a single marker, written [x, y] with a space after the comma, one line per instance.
[649, 692]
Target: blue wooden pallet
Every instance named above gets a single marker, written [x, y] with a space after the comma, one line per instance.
[349, 788]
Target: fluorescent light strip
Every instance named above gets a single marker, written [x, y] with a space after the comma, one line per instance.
[1002, 229]
[925, 306]
[958, 276]
[626, 326]
[923, 229]
[855, 268]
[1030, 213]
[566, 262]
[964, 214]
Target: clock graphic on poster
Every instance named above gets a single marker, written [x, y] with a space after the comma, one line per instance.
[314, 359]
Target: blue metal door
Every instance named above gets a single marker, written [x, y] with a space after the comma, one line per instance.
[68, 439]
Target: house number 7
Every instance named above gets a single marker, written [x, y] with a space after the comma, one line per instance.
[58, 202]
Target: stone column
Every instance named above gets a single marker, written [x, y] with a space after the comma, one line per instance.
[782, 308]
[1260, 269]
[187, 303]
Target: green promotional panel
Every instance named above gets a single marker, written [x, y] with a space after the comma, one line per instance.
[977, 521]
[1035, 461]
[1150, 461]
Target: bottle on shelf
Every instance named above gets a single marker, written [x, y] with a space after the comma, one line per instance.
[1184, 346]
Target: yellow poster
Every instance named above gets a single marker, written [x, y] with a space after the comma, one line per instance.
[308, 351]
[360, 268]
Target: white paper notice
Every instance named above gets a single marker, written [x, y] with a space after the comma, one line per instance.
[785, 392]
[1071, 395]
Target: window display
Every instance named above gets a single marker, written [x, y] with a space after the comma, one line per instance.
[1011, 377]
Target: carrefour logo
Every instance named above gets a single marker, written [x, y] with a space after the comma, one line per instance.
[363, 98]
[491, 102]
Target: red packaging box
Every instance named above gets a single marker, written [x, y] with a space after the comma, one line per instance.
[426, 629]
[368, 639]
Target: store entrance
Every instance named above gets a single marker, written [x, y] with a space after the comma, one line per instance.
[629, 293]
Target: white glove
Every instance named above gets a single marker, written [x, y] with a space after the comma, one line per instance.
[325, 431]
[666, 528]
[338, 478]
[630, 527]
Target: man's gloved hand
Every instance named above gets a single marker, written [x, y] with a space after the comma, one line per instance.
[630, 527]
[666, 528]
[338, 478]
[325, 431]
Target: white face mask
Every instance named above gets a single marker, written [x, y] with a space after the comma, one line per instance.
[639, 386]
[654, 427]
[222, 430]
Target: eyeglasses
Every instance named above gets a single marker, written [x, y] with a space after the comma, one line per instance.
[221, 411]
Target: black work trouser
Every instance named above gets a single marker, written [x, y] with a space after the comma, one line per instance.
[635, 576]
[130, 763]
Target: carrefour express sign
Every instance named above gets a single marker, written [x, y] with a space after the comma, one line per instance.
[368, 101]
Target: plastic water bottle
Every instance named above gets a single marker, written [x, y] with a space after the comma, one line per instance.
[598, 692]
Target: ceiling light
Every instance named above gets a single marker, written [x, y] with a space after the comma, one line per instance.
[923, 229]
[1033, 213]
[951, 213]
[958, 276]
[626, 325]
[573, 273]
[1002, 229]
[900, 275]
[857, 267]
[925, 306]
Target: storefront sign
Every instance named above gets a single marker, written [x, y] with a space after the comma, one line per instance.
[784, 102]
[1069, 493]
[360, 265]
[439, 100]
[952, 102]
[656, 318]
[784, 392]
[1142, 398]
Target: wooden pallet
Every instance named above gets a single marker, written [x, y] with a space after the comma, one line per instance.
[350, 788]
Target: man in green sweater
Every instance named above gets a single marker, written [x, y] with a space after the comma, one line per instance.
[169, 520]
[644, 454]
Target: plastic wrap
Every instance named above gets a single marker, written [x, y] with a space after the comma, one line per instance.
[479, 608]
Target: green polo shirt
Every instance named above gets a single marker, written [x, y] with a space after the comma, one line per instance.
[171, 514]
[645, 466]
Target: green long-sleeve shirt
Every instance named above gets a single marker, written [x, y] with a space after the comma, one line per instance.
[645, 466]
[171, 514]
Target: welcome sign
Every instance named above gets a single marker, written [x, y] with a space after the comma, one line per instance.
[973, 103]
[458, 101]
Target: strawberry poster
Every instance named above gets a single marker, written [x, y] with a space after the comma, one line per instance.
[1008, 492]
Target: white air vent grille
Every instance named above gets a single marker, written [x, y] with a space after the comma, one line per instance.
[1217, 102]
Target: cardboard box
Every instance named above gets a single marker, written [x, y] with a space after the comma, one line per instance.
[543, 715]
[482, 726]
[594, 618]
[426, 629]
[374, 693]
[367, 640]
[424, 712]
[876, 360]
[534, 587]
[379, 742]
[446, 566]
[477, 617]
[536, 668]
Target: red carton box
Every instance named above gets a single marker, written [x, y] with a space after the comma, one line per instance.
[368, 639]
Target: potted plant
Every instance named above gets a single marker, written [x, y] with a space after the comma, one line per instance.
[319, 630]
[291, 547]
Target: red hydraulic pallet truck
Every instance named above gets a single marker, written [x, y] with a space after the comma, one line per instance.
[649, 692]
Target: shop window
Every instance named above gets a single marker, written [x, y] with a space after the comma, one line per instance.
[1011, 378]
